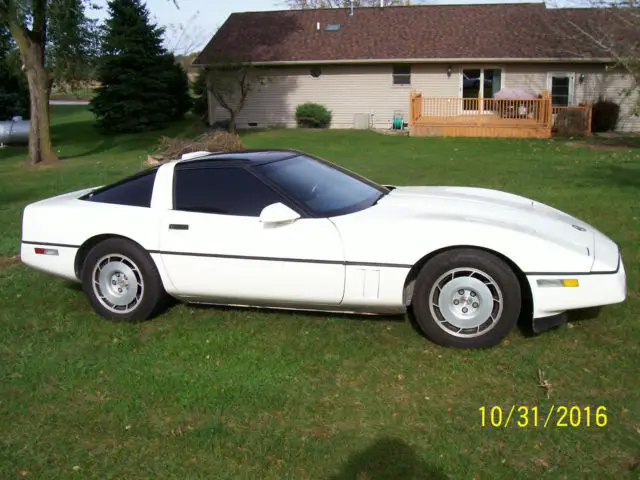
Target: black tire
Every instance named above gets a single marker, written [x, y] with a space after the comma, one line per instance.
[432, 317]
[150, 295]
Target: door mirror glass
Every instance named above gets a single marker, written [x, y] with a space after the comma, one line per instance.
[278, 213]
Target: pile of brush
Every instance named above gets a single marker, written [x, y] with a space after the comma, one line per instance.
[173, 148]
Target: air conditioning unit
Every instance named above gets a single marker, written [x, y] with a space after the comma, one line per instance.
[361, 121]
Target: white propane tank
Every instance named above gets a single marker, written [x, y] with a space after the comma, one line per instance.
[14, 131]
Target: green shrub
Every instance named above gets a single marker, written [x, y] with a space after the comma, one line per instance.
[200, 106]
[604, 116]
[571, 123]
[14, 90]
[312, 115]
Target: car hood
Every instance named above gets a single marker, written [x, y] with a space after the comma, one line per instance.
[490, 207]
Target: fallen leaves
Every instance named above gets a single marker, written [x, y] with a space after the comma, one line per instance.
[540, 462]
[544, 383]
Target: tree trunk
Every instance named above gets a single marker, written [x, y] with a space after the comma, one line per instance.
[40, 148]
[32, 54]
[232, 121]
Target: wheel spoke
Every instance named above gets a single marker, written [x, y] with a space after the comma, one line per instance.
[466, 302]
[118, 283]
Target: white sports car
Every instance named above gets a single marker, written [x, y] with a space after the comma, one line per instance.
[284, 229]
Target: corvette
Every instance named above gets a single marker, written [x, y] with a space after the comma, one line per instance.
[285, 229]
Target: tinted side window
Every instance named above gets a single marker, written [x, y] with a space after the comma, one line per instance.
[134, 191]
[227, 191]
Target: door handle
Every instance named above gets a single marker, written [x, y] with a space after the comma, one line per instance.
[178, 226]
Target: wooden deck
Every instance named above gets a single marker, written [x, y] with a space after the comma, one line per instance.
[478, 117]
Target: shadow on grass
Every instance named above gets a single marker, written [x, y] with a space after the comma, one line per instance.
[625, 174]
[171, 302]
[388, 458]
[292, 313]
[82, 135]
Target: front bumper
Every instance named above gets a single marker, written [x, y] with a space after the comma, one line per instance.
[594, 290]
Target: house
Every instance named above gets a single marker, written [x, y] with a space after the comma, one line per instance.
[367, 61]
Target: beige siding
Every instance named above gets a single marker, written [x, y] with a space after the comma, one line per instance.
[612, 86]
[368, 89]
[345, 90]
[533, 77]
[597, 83]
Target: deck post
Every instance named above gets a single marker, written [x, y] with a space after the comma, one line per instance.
[548, 110]
[411, 113]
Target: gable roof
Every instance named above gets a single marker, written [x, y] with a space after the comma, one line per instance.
[426, 32]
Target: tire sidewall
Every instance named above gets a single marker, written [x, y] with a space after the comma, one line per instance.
[153, 289]
[490, 264]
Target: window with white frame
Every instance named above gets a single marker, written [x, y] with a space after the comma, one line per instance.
[560, 84]
[480, 83]
[402, 74]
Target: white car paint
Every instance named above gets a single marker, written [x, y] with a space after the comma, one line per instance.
[360, 262]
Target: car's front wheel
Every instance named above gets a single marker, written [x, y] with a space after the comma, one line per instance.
[466, 298]
[121, 281]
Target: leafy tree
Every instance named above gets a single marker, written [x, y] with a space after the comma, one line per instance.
[73, 44]
[14, 92]
[28, 22]
[200, 102]
[34, 26]
[142, 87]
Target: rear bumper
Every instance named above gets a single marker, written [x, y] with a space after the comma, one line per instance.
[59, 261]
[594, 290]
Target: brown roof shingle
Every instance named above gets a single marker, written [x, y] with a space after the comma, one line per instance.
[505, 31]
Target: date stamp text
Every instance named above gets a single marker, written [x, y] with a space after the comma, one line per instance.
[558, 416]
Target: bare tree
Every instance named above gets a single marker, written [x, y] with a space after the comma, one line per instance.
[607, 29]
[231, 83]
[185, 38]
[304, 4]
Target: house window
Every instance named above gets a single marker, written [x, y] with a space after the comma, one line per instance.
[561, 87]
[480, 83]
[402, 74]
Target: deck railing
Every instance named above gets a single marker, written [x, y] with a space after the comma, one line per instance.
[487, 114]
[585, 110]
[482, 111]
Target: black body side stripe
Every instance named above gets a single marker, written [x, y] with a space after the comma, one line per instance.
[282, 259]
[248, 257]
[325, 262]
[47, 244]
[611, 272]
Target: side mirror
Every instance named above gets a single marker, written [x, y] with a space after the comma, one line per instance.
[278, 213]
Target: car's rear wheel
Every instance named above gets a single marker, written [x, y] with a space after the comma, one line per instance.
[466, 298]
[121, 281]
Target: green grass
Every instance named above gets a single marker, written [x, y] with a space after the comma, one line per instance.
[84, 93]
[230, 393]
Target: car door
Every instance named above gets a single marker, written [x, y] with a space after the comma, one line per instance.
[214, 246]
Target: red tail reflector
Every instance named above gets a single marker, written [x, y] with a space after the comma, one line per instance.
[45, 251]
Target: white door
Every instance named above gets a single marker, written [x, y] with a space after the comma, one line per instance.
[232, 257]
[561, 86]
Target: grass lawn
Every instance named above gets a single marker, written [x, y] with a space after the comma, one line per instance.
[79, 93]
[229, 393]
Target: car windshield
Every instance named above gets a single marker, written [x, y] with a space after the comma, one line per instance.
[324, 189]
